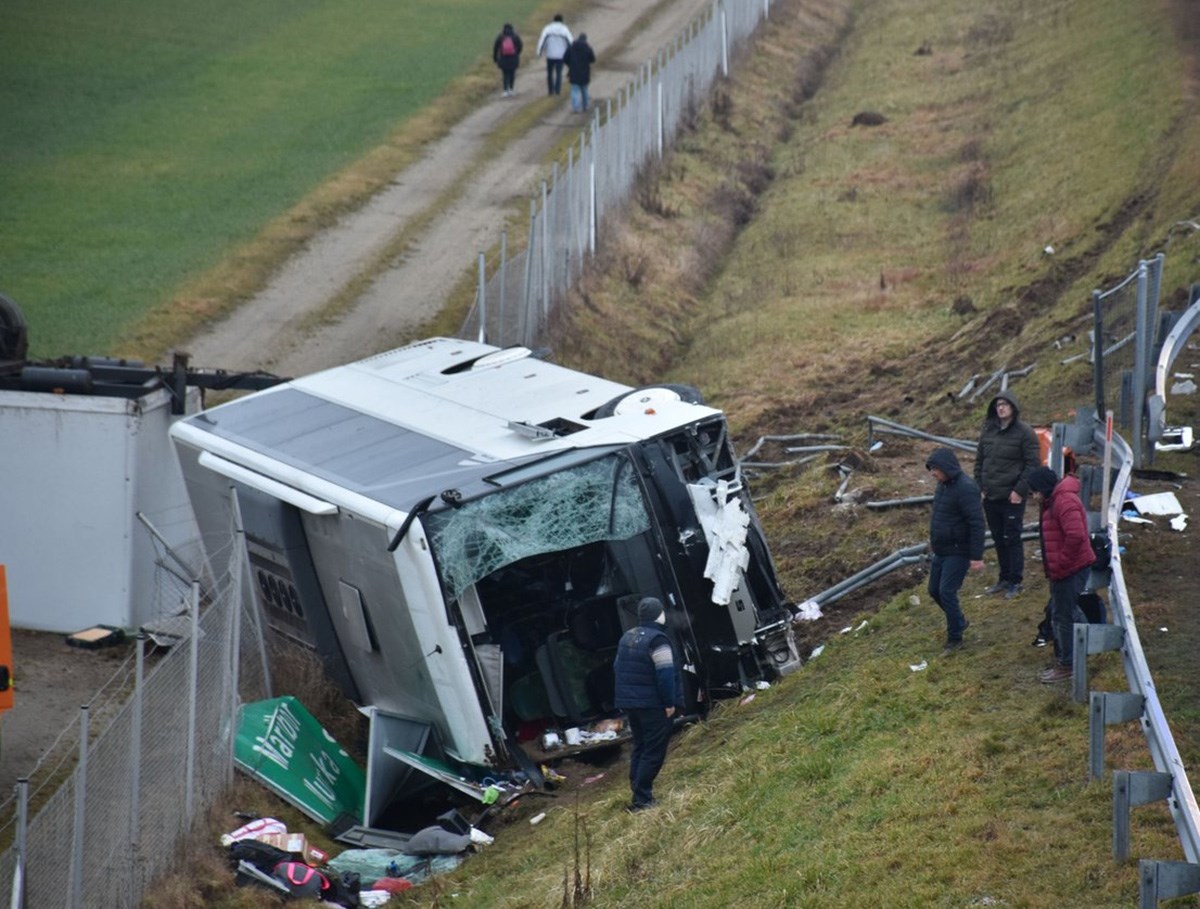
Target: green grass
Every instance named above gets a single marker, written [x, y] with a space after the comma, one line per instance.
[143, 143]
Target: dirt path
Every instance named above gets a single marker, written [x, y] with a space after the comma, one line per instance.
[275, 332]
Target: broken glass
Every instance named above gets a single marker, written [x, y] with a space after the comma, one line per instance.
[599, 500]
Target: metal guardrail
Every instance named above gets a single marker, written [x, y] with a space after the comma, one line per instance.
[1158, 880]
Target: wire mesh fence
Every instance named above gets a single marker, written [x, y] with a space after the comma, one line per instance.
[518, 293]
[110, 800]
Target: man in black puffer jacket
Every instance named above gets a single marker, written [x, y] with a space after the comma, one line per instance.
[648, 690]
[955, 539]
[1007, 454]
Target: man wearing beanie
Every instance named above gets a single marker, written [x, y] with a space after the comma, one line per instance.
[1067, 557]
[955, 539]
[647, 689]
[1008, 450]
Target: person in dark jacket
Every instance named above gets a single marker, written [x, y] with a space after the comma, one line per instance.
[647, 688]
[579, 59]
[955, 539]
[506, 52]
[1067, 556]
[1008, 451]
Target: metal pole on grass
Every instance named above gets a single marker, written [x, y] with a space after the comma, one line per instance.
[193, 685]
[135, 763]
[18, 883]
[77, 843]
[1108, 434]
[500, 327]
[481, 335]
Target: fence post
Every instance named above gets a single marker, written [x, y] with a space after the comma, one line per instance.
[481, 301]
[135, 767]
[500, 324]
[18, 884]
[527, 290]
[545, 252]
[77, 835]
[1098, 349]
[1141, 360]
[193, 685]
[724, 40]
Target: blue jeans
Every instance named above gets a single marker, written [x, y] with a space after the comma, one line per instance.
[554, 70]
[1005, 520]
[946, 576]
[651, 728]
[579, 97]
[1065, 612]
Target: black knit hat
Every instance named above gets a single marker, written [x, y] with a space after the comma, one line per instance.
[1043, 480]
[649, 609]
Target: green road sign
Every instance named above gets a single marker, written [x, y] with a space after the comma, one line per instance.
[280, 744]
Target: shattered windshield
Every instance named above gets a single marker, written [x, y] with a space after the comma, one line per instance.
[596, 501]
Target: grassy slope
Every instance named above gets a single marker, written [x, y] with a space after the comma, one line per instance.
[858, 782]
[141, 147]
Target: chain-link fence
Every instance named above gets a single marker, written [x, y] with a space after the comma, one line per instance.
[101, 815]
[514, 304]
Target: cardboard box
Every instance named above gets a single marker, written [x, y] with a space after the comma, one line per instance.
[296, 844]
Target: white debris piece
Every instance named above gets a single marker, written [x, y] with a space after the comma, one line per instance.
[1184, 387]
[1159, 503]
[919, 667]
[1179, 522]
[817, 651]
[724, 522]
[808, 611]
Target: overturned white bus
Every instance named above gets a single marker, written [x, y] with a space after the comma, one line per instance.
[463, 532]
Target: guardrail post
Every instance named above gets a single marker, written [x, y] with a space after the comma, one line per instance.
[1132, 788]
[1091, 639]
[1164, 880]
[1108, 708]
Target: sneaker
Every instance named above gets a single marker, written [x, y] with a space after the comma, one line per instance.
[1040, 641]
[996, 589]
[1014, 590]
[1055, 674]
[642, 806]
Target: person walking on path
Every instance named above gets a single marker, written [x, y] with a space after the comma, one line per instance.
[647, 688]
[1008, 452]
[506, 52]
[1067, 557]
[579, 59]
[553, 44]
[955, 539]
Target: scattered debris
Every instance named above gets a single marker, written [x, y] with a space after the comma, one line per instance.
[893, 503]
[1162, 503]
[96, 637]
[919, 667]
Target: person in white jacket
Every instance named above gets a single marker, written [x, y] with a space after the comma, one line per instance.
[552, 45]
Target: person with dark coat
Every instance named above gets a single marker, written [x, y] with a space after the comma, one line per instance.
[955, 539]
[579, 59]
[1067, 557]
[1008, 451]
[506, 52]
[647, 689]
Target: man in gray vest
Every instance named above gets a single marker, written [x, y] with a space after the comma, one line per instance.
[647, 688]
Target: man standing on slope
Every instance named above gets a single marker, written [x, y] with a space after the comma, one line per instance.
[553, 44]
[647, 688]
[1008, 452]
[955, 539]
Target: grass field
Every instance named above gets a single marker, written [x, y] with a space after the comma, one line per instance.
[142, 142]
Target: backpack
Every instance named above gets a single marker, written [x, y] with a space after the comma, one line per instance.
[508, 47]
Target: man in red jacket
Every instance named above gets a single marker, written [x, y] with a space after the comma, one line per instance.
[1067, 557]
